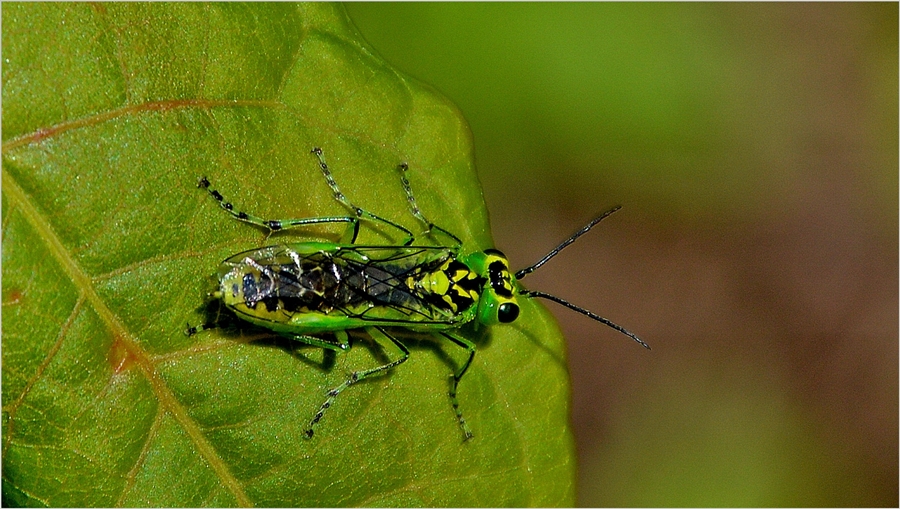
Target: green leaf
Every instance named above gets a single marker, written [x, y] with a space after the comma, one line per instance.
[111, 112]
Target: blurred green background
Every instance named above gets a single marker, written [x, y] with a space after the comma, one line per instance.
[755, 149]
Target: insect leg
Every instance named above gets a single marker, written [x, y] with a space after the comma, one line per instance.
[215, 322]
[456, 377]
[274, 225]
[191, 330]
[379, 335]
[337, 344]
[417, 212]
[341, 341]
[340, 197]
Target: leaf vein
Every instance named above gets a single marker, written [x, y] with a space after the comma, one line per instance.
[131, 476]
[11, 411]
[167, 105]
[142, 360]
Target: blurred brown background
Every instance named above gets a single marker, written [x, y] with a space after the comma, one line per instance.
[755, 150]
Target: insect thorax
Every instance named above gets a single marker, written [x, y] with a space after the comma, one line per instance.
[285, 284]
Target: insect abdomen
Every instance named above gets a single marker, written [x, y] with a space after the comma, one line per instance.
[293, 285]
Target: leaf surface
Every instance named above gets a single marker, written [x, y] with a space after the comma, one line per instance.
[111, 113]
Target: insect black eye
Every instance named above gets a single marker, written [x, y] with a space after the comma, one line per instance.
[507, 312]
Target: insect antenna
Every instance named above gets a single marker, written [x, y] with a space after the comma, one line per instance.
[585, 312]
[524, 272]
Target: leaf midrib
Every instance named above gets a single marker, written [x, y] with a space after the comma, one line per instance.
[83, 282]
